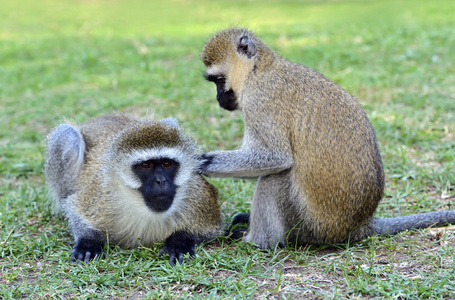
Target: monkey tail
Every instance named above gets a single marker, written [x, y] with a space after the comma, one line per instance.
[392, 226]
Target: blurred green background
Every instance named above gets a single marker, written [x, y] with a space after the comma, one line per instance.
[62, 59]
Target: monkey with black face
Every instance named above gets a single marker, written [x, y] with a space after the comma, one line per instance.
[133, 181]
[309, 143]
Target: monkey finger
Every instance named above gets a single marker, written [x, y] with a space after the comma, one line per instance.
[206, 160]
[181, 258]
[202, 161]
[73, 258]
[172, 259]
[98, 255]
[77, 257]
[88, 256]
[162, 251]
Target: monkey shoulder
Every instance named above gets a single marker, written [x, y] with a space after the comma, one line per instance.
[200, 190]
[202, 200]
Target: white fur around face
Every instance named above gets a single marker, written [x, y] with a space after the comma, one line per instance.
[221, 70]
[133, 222]
[186, 160]
[138, 224]
[215, 70]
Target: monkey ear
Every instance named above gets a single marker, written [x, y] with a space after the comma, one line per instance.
[170, 122]
[246, 46]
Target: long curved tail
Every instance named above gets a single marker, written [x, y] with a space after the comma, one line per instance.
[391, 226]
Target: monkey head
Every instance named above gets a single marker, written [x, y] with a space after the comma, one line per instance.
[229, 57]
[156, 160]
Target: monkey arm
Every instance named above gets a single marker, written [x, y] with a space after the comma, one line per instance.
[244, 163]
[89, 241]
[264, 151]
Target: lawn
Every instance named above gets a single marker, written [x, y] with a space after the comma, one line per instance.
[74, 60]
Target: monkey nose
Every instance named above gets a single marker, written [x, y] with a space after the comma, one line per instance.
[160, 181]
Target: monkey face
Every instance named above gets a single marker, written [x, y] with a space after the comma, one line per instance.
[226, 98]
[157, 177]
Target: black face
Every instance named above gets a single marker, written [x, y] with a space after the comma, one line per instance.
[226, 99]
[157, 177]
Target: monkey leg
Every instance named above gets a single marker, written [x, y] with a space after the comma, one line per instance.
[89, 241]
[270, 201]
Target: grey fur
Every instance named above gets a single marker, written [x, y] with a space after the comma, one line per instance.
[391, 226]
[248, 162]
[64, 159]
[308, 141]
[89, 170]
[270, 192]
[170, 122]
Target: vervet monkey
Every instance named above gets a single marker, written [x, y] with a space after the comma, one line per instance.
[309, 143]
[132, 181]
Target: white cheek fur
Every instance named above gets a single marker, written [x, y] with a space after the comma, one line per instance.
[143, 225]
[215, 70]
[148, 226]
[186, 160]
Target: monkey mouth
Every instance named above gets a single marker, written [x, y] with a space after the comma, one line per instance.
[159, 203]
[228, 100]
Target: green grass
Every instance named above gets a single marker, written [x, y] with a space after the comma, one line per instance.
[80, 59]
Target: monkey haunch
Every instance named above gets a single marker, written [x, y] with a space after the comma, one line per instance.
[133, 180]
[309, 142]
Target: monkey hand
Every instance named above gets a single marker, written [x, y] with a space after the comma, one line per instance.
[205, 160]
[239, 227]
[86, 250]
[177, 245]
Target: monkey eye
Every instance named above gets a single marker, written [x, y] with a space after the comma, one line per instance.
[214, 78]
[146, 165]
[166, 164]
